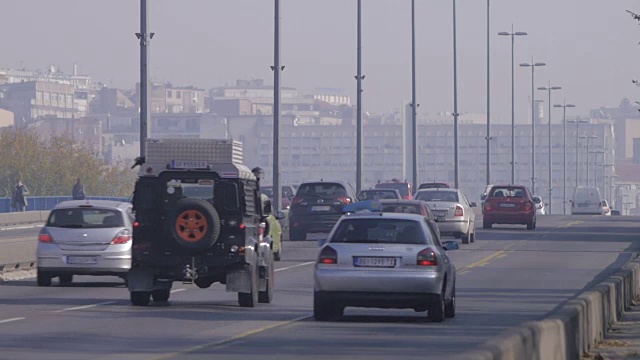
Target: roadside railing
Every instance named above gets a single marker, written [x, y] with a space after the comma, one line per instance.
[40, 203]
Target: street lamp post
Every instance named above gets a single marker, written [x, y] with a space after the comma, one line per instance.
[488, 93]
[564, 107]
[414, 106]
[513, 111]
[577, 122]
[549, 89]
[456, 156]
[533, 66]
[595, 165]
[588, 137]
[145, 39]
[359, 78]
[277, 69]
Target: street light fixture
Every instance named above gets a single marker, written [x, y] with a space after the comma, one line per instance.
[533, 65]
[564, 107]
[549, 89]
[513, 113]
[588, 137]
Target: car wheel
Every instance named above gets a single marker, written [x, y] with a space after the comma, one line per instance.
[266, 296]
[161, 295]
[250, 299]
[140, 298]
[450, 306]
[466, 237]
[487, 225]
[65, 279]
[324, 311]
[436, 309]
[43, 278]
[473, 237]
[531, 225]
[195, 226]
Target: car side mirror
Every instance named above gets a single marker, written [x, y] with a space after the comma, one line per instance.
[280, 215]
[450, 245]
[473, 205]
[267, 208]
[483, 197]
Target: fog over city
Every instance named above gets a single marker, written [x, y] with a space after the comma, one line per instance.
[590, 47]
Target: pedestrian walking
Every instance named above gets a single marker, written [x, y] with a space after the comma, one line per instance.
[19, 197]
[78, 191]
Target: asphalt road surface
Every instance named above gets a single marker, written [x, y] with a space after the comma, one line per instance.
[508, 276]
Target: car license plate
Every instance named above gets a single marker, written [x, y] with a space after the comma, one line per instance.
[374, 262]
[82, 260]
[441, 218]
[320, 208]
[440, 213]
[507, 205]
[584, 205]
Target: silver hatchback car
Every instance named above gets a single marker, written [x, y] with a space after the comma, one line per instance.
[85, 237]
[384, 260]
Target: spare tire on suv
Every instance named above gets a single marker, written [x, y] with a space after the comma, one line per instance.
[195, 225]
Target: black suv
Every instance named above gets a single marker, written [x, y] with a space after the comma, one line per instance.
[200, 226]
[317, 207]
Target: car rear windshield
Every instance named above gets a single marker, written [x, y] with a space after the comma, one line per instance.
[322, 190]
[403, 188]
[402, 208]
[85, 218]
[434, 186]
[377, 194]
[379, 231]
[508, 192]
[437, 195]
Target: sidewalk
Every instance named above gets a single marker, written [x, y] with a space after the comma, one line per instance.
[623, 339]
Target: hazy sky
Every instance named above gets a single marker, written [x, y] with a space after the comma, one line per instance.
[590, 47]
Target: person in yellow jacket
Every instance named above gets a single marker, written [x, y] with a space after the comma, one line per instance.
[275, 229]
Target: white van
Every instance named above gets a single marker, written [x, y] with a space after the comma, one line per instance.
[586, 200]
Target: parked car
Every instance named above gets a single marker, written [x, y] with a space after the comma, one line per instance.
[541, 207]
[385, 260]
[378, 194]
[434, 185]
[453, 212]
[411, 207]
[405, 188]
[85, 237]
[509, 204]
[586, 201]
[317, 207]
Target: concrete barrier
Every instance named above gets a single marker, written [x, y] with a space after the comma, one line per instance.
[573, 330]
[25, 217]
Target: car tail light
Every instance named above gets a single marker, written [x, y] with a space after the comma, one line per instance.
[122, 237]
[427, 257]
[297, 200]
[459, 211]
[345, 200]
[45, 237]
[136, 224]
[528, 205]
[328, 255]
[242, 226]
[487, 206]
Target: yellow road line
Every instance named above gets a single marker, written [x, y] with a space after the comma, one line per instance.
[484, 261]
[231, 339]
[571, 224]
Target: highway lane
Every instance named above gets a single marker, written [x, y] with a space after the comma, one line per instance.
[18, 242]
[508, 276]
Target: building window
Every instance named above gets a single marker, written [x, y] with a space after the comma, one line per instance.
[178, 95]
[169, 94]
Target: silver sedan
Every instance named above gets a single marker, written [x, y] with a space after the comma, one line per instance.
[453, 212]
[384, 260]
[85, 237]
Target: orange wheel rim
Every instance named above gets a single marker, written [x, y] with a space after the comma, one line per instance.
[191, 225]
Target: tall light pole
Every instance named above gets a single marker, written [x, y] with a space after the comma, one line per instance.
[577, 122]
[414, 105]
[513, 110]
[488, 92]
[564, 107]
[588, 137]
[549, 89]
[533, 66]
[276, 68]
[456, 151]
[145, 39]
[595, 165]
[359, 78]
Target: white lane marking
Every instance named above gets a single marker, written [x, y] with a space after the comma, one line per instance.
[178, 290]
[10, 320]
[85, 306]
[294, 266]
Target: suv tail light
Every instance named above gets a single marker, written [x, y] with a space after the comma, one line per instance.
[45, 237]
[328, 255]
[459, 211]
[122, 237]
[528, 205]
[427, 257]
[296, 200]
[345, 200]
[487, 206]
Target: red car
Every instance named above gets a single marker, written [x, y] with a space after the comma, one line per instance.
[509, 204]
[405, 188]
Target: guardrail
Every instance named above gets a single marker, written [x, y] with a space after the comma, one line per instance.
[39, 203]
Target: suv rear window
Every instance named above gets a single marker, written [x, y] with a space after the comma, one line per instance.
[379, 231]
[437, 195]
[508, 191]
[377, 194]
[85, 218]
[403, 188]
[321, 189]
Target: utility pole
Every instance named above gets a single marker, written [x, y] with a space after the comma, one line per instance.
[488, 94]
[359, 78]
[145, 40]
[456, 156]
[414, 105]
[276, 68]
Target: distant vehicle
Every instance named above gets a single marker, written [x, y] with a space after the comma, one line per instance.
[541, 208]
[606, 209]
[287, 193]
[452, 211]
[434, 185]
[411, 207]
[405, 188]
[379, 194]
[509, 204]
[317, 207]
[483, 196]
[85, 237]
[387, 260]
[615, 212]
[586, 200]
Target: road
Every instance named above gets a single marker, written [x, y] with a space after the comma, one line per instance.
[510, 275]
